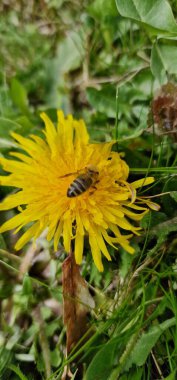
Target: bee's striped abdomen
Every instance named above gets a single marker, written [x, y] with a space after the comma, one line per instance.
[78, 186]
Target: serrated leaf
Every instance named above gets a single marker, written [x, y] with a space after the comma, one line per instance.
[146, 342]
[156, 14]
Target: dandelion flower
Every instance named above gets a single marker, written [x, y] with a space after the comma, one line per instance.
[44, 169]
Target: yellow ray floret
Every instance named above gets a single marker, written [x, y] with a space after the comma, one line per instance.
[44, 173]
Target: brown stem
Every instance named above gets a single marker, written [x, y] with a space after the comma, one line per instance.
[77, 301]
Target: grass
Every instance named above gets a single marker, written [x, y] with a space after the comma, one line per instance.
[93, 60]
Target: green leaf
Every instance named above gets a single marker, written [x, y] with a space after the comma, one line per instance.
[146, 342]
[153, 219]
[19, 95]
[51, 328]
[7, 126]
[103, 101]
[74, 375]
[13, 339]
[100, 9]
[172, 376]
[169, 55]
[25, 357]
[55, 358]
[2, 242]
[126, 262]
[18, 372]
[157, 64]
[103, 361]
[163, 59]
[70, 53]
[20, 125]
[173, 195]
[5, 358]
[69, 56]
[27, 285]
[164, 228]
[25, 125]
[153, 13]
[135, 374]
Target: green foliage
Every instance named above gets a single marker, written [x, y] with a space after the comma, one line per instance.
[19, 373]
[103, 362]
[18, 95]
[78, 56]
[153, 13]
[146, 342]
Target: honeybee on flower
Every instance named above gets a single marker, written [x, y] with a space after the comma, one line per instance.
[83, 182]
[73, 188]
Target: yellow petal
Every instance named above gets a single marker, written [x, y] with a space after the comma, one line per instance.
[127, 247]
[22, 157]
[28, 145]
[13, 223]
[15, 166]
[13, 200]
[135, 207]
[67, 234]
[102, 246]
[123, 223]
[79, 246]
[81, 134]
[33, 230]
[58, 233]
[96, 253]
[51, 133]
[134, 215]
[142, 182]
[65, 130]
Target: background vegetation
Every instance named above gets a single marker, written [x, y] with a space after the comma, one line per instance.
[103, 61]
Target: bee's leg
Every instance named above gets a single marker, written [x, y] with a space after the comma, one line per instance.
[94, 188]
[92, 192]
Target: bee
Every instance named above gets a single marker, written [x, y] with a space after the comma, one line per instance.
[83, 181]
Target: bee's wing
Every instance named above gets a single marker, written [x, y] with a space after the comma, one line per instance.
[69, 174]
